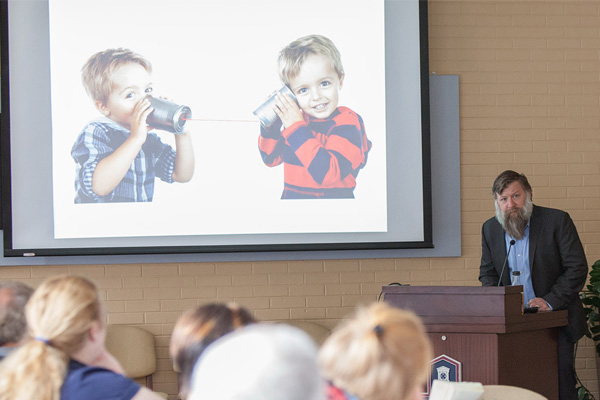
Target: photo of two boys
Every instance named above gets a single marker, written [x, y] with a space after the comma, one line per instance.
[322, 146]
[210, 165]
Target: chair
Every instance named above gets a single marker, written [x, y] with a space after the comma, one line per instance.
[503, 392]
[134, 348]
[317, 332]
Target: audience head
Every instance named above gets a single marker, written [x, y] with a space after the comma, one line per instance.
[382, 353]
[60, 315]
[13, 324]
[198, 328]
[264, 361]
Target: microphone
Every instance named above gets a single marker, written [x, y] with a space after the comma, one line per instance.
[510, 245]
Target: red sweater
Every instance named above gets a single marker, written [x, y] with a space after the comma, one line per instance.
[321, 157]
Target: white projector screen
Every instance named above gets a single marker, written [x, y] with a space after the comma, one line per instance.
[219, 58]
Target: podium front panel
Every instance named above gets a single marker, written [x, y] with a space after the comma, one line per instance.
[484, 329]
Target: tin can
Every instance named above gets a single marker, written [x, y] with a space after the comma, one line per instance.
[266, 113]
[168, 116]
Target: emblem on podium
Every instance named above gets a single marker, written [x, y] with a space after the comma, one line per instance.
[444, 368]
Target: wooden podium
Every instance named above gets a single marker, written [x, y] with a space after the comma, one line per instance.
[484, 330]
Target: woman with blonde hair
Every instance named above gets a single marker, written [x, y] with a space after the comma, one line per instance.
[196, 329]
[65, 357]
[382, 353]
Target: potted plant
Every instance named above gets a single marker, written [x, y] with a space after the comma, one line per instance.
[590, 298]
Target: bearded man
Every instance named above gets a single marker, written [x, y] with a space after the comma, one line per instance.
[546, 250]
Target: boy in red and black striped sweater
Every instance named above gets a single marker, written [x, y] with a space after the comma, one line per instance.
[322, 146]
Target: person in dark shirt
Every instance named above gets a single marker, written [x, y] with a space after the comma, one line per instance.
[65, 357]
[546, 250]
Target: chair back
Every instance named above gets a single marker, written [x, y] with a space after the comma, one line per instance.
[134, 348]
[317, 332]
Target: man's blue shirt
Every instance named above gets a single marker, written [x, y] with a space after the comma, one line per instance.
[518, 260]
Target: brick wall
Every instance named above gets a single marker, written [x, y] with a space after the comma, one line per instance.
[529, 75]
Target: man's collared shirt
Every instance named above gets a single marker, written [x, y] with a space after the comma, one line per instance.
[518, 260]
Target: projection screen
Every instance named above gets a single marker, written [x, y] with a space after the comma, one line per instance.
[219, 59]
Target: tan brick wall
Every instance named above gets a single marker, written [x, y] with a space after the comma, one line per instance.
[529, 75]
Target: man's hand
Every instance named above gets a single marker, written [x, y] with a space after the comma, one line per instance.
[539, 303]
[287, 110]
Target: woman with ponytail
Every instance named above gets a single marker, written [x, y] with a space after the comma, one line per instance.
[65, 357]
[382, 353]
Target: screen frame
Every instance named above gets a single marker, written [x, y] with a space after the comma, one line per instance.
[6, 198]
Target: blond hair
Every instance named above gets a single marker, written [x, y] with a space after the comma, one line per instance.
[292, 57]
[59, 314]
[382, 353]
[97, 72]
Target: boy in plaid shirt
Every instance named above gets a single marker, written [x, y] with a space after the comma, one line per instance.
[117, 158]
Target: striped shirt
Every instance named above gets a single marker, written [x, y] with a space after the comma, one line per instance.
[99, 139]
[321, 157]
[335, 393]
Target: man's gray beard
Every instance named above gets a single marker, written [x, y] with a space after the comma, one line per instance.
[515, 226]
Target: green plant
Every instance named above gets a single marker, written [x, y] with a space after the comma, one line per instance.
[590, 297]
[584, 394]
